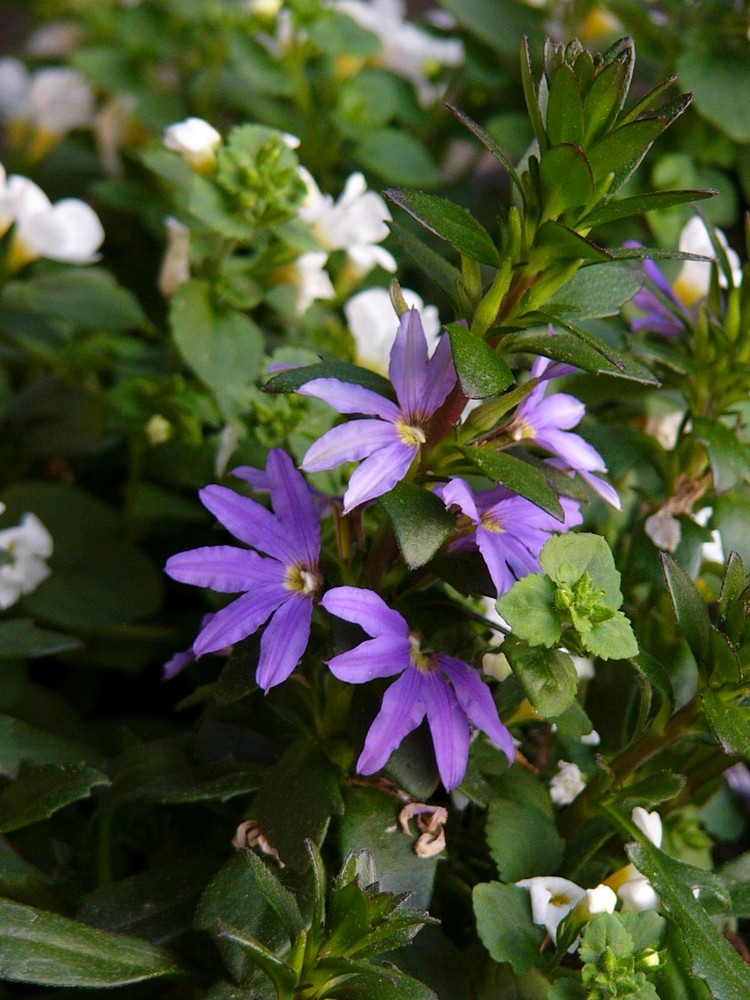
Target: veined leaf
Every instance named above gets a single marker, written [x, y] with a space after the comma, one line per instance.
[449, 221]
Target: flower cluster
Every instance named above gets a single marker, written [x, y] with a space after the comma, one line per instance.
[24, 550]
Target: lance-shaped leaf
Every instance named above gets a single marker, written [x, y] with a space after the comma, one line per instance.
[50, 950]
[565, 178]
[447, 278]
[596, 291]
[639, 204]
[291, 380]
[20, 637]
[564, 108]
[420, 522]
[481, 371]
[530, 95]
[573, 350]
[497, 151]
[450, 222]
[606, 96]
[691, 612]
[554, 241]
[518, 476]
[38, 792]
[282, 975]
[712, 957]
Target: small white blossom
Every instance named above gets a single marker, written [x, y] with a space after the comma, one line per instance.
[175, 267]
[649, 823]
[68, 231]
[54, 40]
[26, 547]
[14, 87]
[266, 10]
[584, 667]
[406, 49]
[59, 99]
[111, 125]
[355, 223]
[196, 141]
[373, 323]
[552, 899]
[692, 283]
[712, 551]
[600, 900]
[664, 530]
[665, 427]
[567, 784]
[310, 278]
[635, 890]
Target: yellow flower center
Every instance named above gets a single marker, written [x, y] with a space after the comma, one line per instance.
[422, 661]
[490, 523]
[409, 434]
[303, 580]
[522, 430]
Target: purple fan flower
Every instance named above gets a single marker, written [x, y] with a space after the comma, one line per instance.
[391, 441]
[281, 584]
[547, 421]
[664, 313]
[510, 531]
[448, 691]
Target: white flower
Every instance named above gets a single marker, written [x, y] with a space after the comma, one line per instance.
[175, 267]
[664, 530]
[310, 278]
[649, 823]
[266, 10]
[26, 547]
[635, 890]
[229, 441]
[14, 87]
[58, 100]
[692, 283]
[600, 900]
[566, 784]
[712, 551]
[406, 49]
[158, 429]
[584, 667]
[552, 899]
[111, 125]
[68, 231]
[355, 223]
[196, 140]
[665, 427]
[56, 39]
[372, 323]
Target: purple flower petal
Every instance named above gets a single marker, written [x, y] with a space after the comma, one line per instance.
[449, 728]
[494, 552]
[176, 664]
[238, 619]
[284, 641]
[258, 478]
[559, 411]
[408, 363]
[441, 377]
[225, 568]
[572, 449]
[379, 473]
[349, 443]
[366, 609]
[346, 397]
[458, 493]
[605, 490]
[293, 504]
[475, 699]
[402, 710]
[248, 521]
[381, 657]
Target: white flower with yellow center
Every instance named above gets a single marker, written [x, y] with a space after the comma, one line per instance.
[196, 141]
[24, 549]
[692, 283]
[370, 317]
[552, 899]
[631, 886]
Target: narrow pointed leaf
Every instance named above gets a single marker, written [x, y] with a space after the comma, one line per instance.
[278, 897]
[564, 108]
[566, 179]
[596, 291]
[290, 381]
[620, 151]
[605, 98]
[554, 241]
[447, 277]
[567, 347]
[529, 93]
[730, 723]
[481, 371]
[450, 222]
[691, 612]
[645, 102]
[491, 145]
[283, 976]
[517, 476]
[641, 203]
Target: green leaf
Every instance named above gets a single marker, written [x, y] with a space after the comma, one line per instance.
[20, 637]
[522, 839]
[556, 242]
[606, 97]
[50, 950]
[278, 897]
[39, 791]
[338, 34]
[398, 157]
[86, 297]
[224, 348]
[361, 980]
[564, 108]
[620, 151]
[612, 639]
[499, 25]
[504, 924]
[530, 96]
[529, 609]
[282, 975]
[596, 291]
[712, 957]
[730, 723]
[639, 204]
[565, 178]
[450, 222]
[21, 742]
[718, 78]
[447, 278]
[518, 476]
[691, 612]
[420, 522]
[205, 783]
[491, 145]
[481, 371]
[730, 463]
[659, 786]
[290, 381]
[548, 676]
[565, 558]
[567, 347]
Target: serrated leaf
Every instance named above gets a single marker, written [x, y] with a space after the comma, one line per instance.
[730, 463]
[566, 179]
[50, 950]
[39, 791]
[291, 380]
[612, 639]
[692, 614]
[20, 637]
[420, 522]
[729, 723]
[450, 222]
[529, 609]
[548, 676]
[504, 925]
[639, 204]
[712, 957]
[565, 558]
[481, 371]
[516, 475]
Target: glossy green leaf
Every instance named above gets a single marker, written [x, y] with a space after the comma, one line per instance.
[224, 348]
[504, 924]
[567, 347]
[619, 152]
[531, 97]
[639, 204]
[565, 178]
[39, 791]
[606, 97]
[481, 371]
[596, 291]
[712, 957]
[529, 609]
[291, 380]
[22, 638]
[564, 108]
[50, 950]
[548, 676]
[450, 222]
[692, 614]
[420, 522]
[554, 241]
[351, 979]
[730, 462]
[282, 975]
[523, 840]
[730, 723]
[518, 476]
[398, 157]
